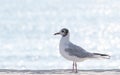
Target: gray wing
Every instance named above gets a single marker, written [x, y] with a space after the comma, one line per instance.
[77, 51]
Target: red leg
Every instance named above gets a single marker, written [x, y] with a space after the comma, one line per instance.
[76, 68]
[73, 66]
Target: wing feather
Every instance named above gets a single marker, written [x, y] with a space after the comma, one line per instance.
[77, 51]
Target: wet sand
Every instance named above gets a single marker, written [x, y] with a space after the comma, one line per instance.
[58, 72]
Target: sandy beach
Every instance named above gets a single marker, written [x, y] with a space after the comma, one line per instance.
[58, 72]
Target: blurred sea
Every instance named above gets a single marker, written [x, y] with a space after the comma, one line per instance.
[27, 28]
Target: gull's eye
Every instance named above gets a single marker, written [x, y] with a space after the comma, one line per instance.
[62, 31]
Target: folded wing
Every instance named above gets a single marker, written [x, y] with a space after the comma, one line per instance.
[77, 51]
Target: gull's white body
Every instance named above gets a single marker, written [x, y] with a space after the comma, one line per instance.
[64, 43]
[73, 52]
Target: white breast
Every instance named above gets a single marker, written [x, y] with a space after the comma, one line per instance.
[64, 43]
[63, 52]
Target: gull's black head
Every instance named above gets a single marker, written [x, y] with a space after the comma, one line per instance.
[63, 32]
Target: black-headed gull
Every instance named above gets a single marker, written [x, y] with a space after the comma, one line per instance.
[73, 52]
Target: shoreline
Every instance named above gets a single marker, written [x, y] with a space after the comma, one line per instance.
[59, 72]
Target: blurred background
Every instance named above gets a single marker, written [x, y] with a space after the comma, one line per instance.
[27, 28]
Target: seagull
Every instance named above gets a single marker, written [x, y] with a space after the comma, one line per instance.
[73, 52]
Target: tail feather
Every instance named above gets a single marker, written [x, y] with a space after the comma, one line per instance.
[102, 55]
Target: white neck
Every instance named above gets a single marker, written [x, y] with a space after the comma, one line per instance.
[65, 40]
